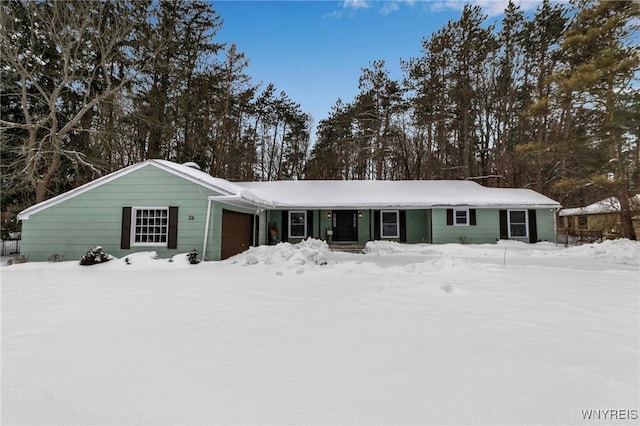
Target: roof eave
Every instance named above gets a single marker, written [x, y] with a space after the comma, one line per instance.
[377, 206]
[43, 205]
[36, 208]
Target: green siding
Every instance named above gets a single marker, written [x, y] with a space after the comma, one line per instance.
[363, 227]
[546, 224]
[418, 226]
[487, 229]
[93, 218]
[317, 231]
[325, 223]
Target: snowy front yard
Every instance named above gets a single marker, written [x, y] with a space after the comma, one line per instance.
[453, 334]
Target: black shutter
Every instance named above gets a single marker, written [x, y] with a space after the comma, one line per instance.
[125, 229]
[533, 227]
[284, 233]
[403, 226]
[309, 223]
[472, 217]
[449, 217]
[376, 224]
[504, 229]
[172, 239]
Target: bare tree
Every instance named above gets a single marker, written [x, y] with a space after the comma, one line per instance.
[65, 58]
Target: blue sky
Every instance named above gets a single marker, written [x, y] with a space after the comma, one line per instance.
[315, 50]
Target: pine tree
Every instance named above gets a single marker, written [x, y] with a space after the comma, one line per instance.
[601, 63]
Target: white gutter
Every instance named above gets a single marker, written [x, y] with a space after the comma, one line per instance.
[206, 230]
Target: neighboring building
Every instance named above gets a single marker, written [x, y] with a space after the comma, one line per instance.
[172, 208]
[602, 217]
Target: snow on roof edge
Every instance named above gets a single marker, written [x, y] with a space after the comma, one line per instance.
[251, 192]
[607, 205]
[215, 184]
[38, 207]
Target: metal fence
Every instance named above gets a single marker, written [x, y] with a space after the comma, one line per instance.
[10, 246]
[575, 238]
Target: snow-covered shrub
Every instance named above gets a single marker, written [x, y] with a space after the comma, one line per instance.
[95, 255]
[54, 258]
[463, 239]
[16, 260]
[193, 257]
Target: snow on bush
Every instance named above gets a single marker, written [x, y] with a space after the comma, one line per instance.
[95, 255]
[150, 259]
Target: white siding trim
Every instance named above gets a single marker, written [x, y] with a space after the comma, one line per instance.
[526, 223]
[467, 217]
[397, 213]
[25, 214]
[304, 213]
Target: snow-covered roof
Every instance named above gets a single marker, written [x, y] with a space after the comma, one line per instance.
[608, 205]
[332, 194]
[215, 184]
[337, 194]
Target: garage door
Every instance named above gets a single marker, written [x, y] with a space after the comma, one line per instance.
[236, 233]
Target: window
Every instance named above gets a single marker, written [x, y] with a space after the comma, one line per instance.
[518, 223]
[298, 224]
[150, 226]
[582, 221]
[461, 217]
[389, 224]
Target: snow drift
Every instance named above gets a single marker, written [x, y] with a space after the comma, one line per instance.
[296, 334]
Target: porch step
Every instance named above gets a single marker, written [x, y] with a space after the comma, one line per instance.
[347, 248]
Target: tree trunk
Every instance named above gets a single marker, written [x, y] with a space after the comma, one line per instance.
[626, 222]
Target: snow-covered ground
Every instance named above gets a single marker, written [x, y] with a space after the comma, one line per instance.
[294, 334]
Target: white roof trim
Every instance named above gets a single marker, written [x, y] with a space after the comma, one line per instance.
[36, 208]
[336, 195]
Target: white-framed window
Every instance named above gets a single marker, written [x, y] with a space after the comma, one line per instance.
[389, 224]
[150, 226]
[461, 217]
[518, 224]
[297, 224]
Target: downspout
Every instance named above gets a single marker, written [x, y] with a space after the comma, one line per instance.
[555, 222]
[206, 230]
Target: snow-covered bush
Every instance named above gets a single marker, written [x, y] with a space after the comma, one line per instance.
[17, 260]
[54, 258]
[95, 255]
[193, 257]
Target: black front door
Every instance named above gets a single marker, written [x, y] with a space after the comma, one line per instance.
[345, 225]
